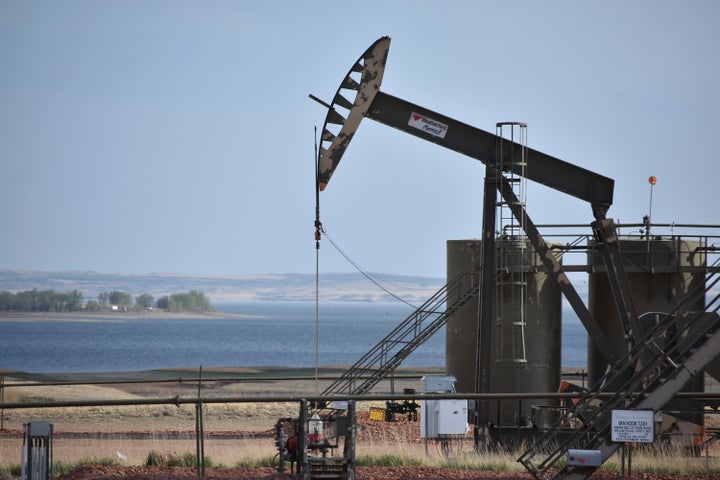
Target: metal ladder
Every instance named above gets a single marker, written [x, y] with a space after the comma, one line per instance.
[419, 326]
[511, 254]
[647, 378]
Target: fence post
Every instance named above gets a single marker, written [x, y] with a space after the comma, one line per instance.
[199, 430]
[2, 402]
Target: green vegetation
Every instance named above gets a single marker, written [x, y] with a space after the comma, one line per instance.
[157, 459]
[266, 461]
[51, 301]
[62, 468]
[481, 463]
[41, 301]
[7, 473]
[388, 460]
[193, 301]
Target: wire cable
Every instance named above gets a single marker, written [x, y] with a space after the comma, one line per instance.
[363, 272]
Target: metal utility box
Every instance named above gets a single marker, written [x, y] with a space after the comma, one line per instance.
[585, 458]
[442, 418]
[438, 383]
[37, 451]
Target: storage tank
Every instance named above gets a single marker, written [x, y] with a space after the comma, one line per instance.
[660, 272]
[526, 338]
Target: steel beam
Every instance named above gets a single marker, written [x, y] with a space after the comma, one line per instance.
[481, 145]
[485, 313]
[555, 270]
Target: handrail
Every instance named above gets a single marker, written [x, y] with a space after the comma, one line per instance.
[389, 353]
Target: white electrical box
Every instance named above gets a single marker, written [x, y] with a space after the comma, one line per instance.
[440, 418]
[438, 383]
[585, 458]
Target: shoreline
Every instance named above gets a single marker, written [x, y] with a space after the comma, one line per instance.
[81, 316]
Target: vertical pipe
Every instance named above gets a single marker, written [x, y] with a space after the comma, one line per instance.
[201, 458]
[350, 441]
[318, 236]
[303, 441]
[50, 453]
[29, 453]
[485, 307]
[44, 470]
[2, 402]
[197, 439]
[23, 456]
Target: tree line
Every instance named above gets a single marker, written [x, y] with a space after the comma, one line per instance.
[51, 301]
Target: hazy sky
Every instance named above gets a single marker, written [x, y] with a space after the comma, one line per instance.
[177, 136]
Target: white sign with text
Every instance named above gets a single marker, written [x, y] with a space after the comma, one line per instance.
[633, 426]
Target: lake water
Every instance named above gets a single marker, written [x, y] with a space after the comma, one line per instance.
[273, 334]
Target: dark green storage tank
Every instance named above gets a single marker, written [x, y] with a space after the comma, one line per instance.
[660, 272]
[526, 339]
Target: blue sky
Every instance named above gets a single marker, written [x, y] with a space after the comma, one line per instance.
[177, 136]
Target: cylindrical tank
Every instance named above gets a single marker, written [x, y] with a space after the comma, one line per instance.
[526, 342]
[660, 272]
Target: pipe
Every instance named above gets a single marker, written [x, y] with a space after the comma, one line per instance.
[177, 401]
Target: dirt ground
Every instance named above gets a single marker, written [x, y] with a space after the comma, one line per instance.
[361, 473]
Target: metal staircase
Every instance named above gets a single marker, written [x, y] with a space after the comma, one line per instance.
[660, 364]
[389, 353]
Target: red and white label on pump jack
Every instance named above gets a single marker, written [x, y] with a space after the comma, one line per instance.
[428, 125]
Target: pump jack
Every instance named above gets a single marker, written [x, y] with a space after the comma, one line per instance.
[359, 97]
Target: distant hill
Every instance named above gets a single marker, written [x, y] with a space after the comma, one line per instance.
[273, 287]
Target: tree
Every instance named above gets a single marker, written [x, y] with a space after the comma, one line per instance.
[192, 301]
[163, 302]
[73, 301]
[41, 301]
[103, 298]
[7, 300]
[144, 301]
[92, 306]
[121, 299]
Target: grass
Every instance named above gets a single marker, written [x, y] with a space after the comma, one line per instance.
[388, 460]
[388, 451]
[666, 460]
[61, 468]
[157, 459]
[662, 461]
[268, 461]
